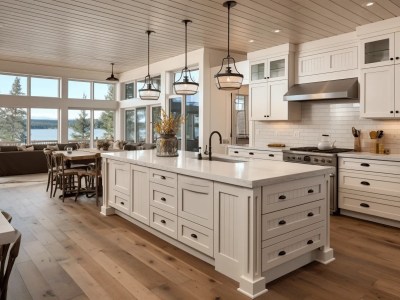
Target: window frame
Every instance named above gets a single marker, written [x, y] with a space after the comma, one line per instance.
[134, 90]
[92, 82]
[102, 82]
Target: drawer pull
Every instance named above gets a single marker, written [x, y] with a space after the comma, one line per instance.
[364, 165]
[194, 236]
[122, 203]
[364, 183]
[163, 199]
[282, 222]
[310, 214]
[281, 253]
[282, 197]
[251, 153]
[163, 177]
[310, 191]
[364, 205]
[271, 155]
[236, 152]
[163, 221]
[309, 242]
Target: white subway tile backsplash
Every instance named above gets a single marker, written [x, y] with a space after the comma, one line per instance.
[333, 117]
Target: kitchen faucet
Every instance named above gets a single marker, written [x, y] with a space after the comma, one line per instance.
[209, 143]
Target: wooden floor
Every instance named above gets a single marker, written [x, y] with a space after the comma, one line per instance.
[70, 251]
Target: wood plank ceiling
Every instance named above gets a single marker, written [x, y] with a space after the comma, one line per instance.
[89, 34]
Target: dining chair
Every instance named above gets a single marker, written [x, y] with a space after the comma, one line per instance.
[7, 216]
[7, 260]
[50, 169]
[92, 178]
[65, 178]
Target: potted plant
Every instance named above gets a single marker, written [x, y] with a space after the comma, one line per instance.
[167, 127]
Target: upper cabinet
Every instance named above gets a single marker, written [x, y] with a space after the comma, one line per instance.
[275, 68]
[382, 50]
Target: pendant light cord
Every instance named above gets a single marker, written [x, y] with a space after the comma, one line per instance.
[186, 44]
[229, 22]
[148, 53]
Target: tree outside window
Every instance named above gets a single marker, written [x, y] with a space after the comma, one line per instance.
[79, 125]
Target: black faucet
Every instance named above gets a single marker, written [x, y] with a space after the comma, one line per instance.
[209, 143]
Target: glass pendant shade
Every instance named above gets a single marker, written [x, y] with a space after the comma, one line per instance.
[230, 78]
[148, 91]
[185, 85]
[112, 77]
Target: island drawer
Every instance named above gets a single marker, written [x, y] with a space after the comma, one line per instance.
[163, 197]
[196, 236]
[163, 222]
[286, 220]
[120, 201]
[292, 193]
[370, 165]
[286, 247]
[195, 200]
[164, 177]
[367, 182]
[370, 204]
[271, 155]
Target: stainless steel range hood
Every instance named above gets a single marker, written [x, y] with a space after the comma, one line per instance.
[333, 89]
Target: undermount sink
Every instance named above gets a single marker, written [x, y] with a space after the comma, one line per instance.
[227, 160]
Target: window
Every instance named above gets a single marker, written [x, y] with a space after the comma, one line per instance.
[103, 124]
[175, 109]
[192, 122]
[79, 125]
[79, 89]
[129, 90]
[45, 87]
[13, 126]
[13, 85]
[156, 80]
[103, 91]
[155, 116]
[44, 126]
[135, 125]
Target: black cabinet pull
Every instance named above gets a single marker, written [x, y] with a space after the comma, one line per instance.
[251, 153]
[364, 165]
[281, 253]
[268, 77]
[397, 57]
[309, 242]
[364, 205]
[282, 197]
[310, 214]
[163, 199]
[271, 155]
[122, 203]
[391, 58]
[236, 152]
[282, 222]
[397, 111]
[193, 236]
[265, 116]
[163, 221]
[163, 177]
[310, 191]
[391, 111]
[364, 183]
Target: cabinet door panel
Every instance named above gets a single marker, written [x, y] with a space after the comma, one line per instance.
[140, 206]
[397, 90]
[377, 51]
[278, 107]
[259, 102]
[377, 92]
[277, 68]
[119, 176]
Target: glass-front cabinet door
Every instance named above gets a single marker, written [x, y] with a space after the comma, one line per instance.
[277, 68]
[258, 71]
[377, 51]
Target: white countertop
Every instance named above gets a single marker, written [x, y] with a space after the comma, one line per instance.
[251, 173]
[247, 147]
[368, 155]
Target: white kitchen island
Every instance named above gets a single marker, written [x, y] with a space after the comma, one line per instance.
[254, 220]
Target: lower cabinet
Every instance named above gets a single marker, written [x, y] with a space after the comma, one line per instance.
[164, 222]
[257, 154]
[196, 236]
[140, 202]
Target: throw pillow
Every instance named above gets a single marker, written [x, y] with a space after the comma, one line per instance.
[21, 148]
[29, 148]
[25, 148]
[53, 147]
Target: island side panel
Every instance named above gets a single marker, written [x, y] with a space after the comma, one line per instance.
[237, 236]
[106, 209]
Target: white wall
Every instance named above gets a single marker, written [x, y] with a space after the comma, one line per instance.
[333, 117]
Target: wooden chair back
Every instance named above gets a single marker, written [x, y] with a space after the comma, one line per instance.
[58, 162]
[48, 153]
[6, 269]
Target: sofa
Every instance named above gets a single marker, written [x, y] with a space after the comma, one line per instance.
[139, 146]
[15, 162]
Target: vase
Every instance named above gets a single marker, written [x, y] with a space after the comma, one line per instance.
[167, 145]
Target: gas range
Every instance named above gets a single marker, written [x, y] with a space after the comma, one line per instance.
[313, 156]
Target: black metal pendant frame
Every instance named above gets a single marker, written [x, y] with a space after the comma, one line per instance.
[112, 77]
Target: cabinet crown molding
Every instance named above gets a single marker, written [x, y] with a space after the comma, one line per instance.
[273, 51]
[380, 27]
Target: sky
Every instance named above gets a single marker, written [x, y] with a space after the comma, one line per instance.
[47, 87]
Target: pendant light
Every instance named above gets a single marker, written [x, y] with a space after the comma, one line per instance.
[231, 79]
[112, 77]
[185, 85]
[148, 91]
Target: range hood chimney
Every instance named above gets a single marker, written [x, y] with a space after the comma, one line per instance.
[333, 89]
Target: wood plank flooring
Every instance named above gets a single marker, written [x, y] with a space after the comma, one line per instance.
[70, 251]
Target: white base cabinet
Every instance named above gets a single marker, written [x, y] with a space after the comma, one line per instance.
[252, 235]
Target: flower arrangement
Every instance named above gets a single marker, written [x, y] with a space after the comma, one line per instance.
[168, 125]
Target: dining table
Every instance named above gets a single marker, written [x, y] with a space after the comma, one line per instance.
[7, 232]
